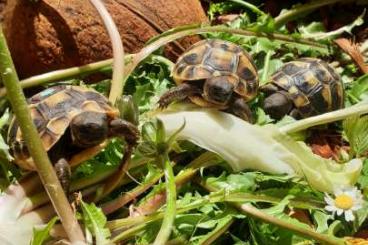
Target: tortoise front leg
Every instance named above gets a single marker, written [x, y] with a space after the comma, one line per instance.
[240, 108]
[64, 174]
[178, 93]
[128, 131]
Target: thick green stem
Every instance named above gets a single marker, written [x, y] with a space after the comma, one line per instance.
[133, 60]
[329, 117]
[117, 83]
[62, 74]
[35, 146]
[168, 221]
[295, 13]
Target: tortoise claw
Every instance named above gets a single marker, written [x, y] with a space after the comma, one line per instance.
[241, 109]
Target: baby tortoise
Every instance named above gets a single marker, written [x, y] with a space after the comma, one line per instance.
[217, 74]
[74, 124]
[303, 88]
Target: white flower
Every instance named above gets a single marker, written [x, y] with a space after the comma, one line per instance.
[346, 201]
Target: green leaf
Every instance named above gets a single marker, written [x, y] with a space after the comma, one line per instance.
[243, 182]
[359, 89]
[41, 235]
[262, 117]
[321, 220]
[95, 220]
[363, 178]
[356, 131]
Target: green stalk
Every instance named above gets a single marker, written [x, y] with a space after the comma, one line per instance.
[168, 221]
[184, 31]
[145, 219]
[119, 202]
[61, 74]
[304, 232]
[258, 214]
[249, 6]
[35, 146]
[297, 12]
[266, 67]
[141, 222]
[220, 229]
[133, 60]
[117, 82]
[355, 110]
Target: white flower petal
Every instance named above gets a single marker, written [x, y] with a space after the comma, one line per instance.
[357, 207]
[331, 208]
[339, 211]
[329, 200]
[349, 216]
[338, 192]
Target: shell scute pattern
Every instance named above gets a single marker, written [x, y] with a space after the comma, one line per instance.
[313, 86]
[212, 58]
[52, 111]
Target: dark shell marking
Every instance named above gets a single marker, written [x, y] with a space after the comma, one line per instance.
[52, 111]
[312, 84]
[212, 58]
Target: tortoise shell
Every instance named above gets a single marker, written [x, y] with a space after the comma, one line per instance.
[52, 110]
[212, 58]
[312, 85]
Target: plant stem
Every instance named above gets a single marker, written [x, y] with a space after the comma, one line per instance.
[168, 221]
[258, 214]
[133, 60]
[61, 74]
[119, 202]
[117, 83]
[35, 145]
[220, 229]
[329, 117]
[304, 232]
[266, 67]
[130, 221]
[301, 10]
[183, 31]
[249, 6]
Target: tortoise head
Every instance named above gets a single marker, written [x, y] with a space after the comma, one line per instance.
[89, 128]
[219, 90]
[277, 105]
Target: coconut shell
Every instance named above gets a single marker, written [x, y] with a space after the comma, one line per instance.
[56, 34]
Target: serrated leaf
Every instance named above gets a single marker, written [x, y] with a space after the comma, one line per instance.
[41, 235]
[356, 131]
[95, 220]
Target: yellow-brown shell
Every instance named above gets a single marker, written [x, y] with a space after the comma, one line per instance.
[312, 84]
[212, 57]
[52, 111]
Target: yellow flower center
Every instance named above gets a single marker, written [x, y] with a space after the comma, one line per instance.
[344, 201]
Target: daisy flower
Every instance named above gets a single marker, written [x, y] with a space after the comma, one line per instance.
[345, 201]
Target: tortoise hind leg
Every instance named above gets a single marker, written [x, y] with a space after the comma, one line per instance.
[178, 93]
[63, 172]
[240, 108]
